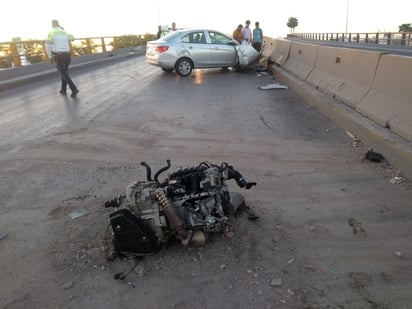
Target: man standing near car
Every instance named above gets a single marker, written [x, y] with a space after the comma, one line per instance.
[247, 33]
[58, 50]
[237, 34]
[257, 37]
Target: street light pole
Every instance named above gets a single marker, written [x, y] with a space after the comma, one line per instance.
[158, 12]
[347, 16]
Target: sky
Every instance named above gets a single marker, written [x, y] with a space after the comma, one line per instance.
[30, 19]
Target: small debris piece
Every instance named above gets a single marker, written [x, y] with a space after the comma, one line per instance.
[291, 261]
[78, 213]
[351, 135]
[276, 282]
[252, 216]
[139, 269]
[373, 156]
[2, 236]
[398, 180]
[398, 254]
[67, 285]
[355, 140]
[119, 276]
[356, 226]
[273, 86]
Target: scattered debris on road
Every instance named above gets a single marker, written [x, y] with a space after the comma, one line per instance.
[78, 213]
[398, 254]
[355, 140]
[356, 226]
[273, 86]
[373, 156]
[398, 179]
[3, 236]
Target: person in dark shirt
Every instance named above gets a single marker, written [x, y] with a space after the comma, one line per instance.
[257, 37]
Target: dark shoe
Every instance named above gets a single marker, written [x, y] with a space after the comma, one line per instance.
[74, 93]
[63, 92]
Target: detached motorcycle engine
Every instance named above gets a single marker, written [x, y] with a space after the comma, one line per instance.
[187, 205]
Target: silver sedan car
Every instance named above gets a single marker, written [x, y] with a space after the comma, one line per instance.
[185, 50]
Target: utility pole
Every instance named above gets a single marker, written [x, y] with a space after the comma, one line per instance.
[347, 16]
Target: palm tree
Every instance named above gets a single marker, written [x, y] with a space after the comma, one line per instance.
[292, 24]
[405, 28]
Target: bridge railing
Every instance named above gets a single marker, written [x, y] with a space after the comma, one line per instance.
[20, 53]
[383, 38]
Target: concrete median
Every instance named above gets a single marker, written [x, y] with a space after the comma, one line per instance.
[346, 74]
[301, 60]
[389, 102]
[281, 52]
[13, 77]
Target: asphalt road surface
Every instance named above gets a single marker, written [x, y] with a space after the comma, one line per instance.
[334, 229]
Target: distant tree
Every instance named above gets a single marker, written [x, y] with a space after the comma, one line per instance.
[405, 28]
[292, 24]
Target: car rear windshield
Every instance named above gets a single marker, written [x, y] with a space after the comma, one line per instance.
[170, 36]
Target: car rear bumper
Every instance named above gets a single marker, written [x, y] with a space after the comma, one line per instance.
[159, 61]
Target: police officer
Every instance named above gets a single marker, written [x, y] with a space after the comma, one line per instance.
[58, 50]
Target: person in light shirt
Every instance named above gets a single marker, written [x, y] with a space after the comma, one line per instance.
[58, 50]
[247, 33]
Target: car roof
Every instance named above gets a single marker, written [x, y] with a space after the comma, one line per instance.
[197, 29]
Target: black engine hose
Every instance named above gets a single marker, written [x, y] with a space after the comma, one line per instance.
[240, 180]
[162, 170]
[148, 170]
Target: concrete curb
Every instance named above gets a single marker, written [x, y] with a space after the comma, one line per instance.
[45, 70]
[395, 149]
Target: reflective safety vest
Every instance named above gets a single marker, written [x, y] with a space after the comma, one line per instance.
[58, 41]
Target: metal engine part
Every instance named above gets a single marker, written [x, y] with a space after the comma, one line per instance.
[187, 205]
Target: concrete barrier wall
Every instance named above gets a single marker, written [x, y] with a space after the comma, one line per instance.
[389, 102]
[375, 84]
[281, 52]
[301, 60]
[345, 73]
[19, 76]
[38, 68]
[268, 47]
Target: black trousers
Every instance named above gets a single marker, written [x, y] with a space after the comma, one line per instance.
[257, 46]
[62, 63]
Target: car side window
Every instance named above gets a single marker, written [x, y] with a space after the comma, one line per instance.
[187, 38]
[194, 37]
[218, 38]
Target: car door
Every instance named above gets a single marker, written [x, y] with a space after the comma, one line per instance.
[197, 48]
[223, 49]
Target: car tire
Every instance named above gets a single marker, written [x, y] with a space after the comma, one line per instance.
[184, 67]
[167, 70]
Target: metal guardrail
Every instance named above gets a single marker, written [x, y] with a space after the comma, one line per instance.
[380, 38]
[20, 53]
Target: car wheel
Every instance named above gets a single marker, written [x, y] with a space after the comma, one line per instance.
[184, 67]
[167, 70]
